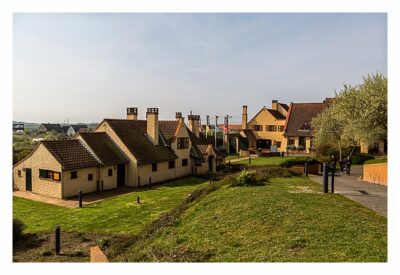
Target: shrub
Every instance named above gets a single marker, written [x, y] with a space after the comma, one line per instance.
[46, 252]
[18, 227]
[372, 161]
[291, 147]
[300, 147]
[244, 178]
[361, 158]
[296, 161]
[103, 243]
[265, 173]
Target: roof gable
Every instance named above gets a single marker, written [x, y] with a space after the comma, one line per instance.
[133, 133]
[300, 116]
[104, 148]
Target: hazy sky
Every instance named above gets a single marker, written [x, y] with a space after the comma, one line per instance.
[86, 67]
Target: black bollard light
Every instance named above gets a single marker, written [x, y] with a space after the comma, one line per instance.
[80, 199]
[325, 177]
[333, 181]
[138, 199]
[306, 169]
[149, 182]
[210, 180]
[58, 239]
[249, 160]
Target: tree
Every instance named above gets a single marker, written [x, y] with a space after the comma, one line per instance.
[358, 114]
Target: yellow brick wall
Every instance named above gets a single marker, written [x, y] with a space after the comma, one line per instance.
[375, 173]
[71, 187]
[39, 159]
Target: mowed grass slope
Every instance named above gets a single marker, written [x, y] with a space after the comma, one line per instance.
[287, 220]
[266, 161]
[121, 214]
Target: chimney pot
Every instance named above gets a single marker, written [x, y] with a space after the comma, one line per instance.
[132, 113]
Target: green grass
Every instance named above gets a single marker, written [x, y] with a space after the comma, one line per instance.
[286, 220]
[231, 157]
[115, 215]
[269, 161]
[372, 161]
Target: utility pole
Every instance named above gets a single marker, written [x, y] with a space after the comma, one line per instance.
[215, 130]
[227, 134]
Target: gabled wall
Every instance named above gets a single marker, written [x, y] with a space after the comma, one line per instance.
[40, 158]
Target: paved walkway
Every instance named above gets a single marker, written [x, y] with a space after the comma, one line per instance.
[74, 201]
[241, 158]
[373, 196]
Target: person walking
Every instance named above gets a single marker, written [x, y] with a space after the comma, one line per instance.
[341, 165]
[348, 164]
[333, 163]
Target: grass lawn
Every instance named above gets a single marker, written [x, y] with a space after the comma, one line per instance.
[262, 161]
[231, 157]
[286, 220]
[115, 215]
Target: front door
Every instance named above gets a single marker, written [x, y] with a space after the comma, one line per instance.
[121, 175]
[302, 141]
[28, 179]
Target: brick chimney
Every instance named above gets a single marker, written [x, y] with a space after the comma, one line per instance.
[274, 104]
[244, 117]
[132, 113]
[194, 124]
[152, 124]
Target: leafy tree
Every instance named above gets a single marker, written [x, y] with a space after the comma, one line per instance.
[357, 114]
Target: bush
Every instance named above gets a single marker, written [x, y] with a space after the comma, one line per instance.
[361, 158]
[293, 162]
[18, 227]
[300, 148]
[103, 243]
[291, 147]
[265, 173]
[244, 178]
[46, 253]
[372, 161]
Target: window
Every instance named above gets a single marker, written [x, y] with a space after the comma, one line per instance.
[257, 128]
[281, 128]
[271, 128]
[110, 172]
[291, 141]
[48, 174]
[184, 162]
[278, 144]
[90, 177]
[19, 173]
[183, 143]
[171, 164]
[74, 174]
[154, 167]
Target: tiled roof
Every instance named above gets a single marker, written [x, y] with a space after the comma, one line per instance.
[300, 116]
[133, 133]
[284, 106]
[77, 127]
[168, 129]
[71, 154]
[276, 114]
[249, 134]
[104, 148]
[199, 144]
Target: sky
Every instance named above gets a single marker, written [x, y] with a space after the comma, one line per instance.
[86, 67]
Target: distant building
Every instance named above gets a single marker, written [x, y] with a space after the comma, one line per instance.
[48, 127]
[74, 129]
[18, 127]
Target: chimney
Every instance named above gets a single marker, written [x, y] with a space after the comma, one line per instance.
[244, 117]
[274, 104]
[131, 113]
[194, 123]
[178, 115]
[152, 124]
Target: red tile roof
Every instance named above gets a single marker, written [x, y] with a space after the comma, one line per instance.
[299, 118]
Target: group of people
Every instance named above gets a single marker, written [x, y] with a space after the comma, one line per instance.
[344, 165]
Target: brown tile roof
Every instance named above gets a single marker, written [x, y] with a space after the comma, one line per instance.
[284, 106]
[300, 116]
[133, 133]
[199, 144]
[249, 134]
[104, 148]
[168, 129]
[71, 154]
[276, 114]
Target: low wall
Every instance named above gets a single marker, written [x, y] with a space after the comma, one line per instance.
[375, 173]
[97, 256]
